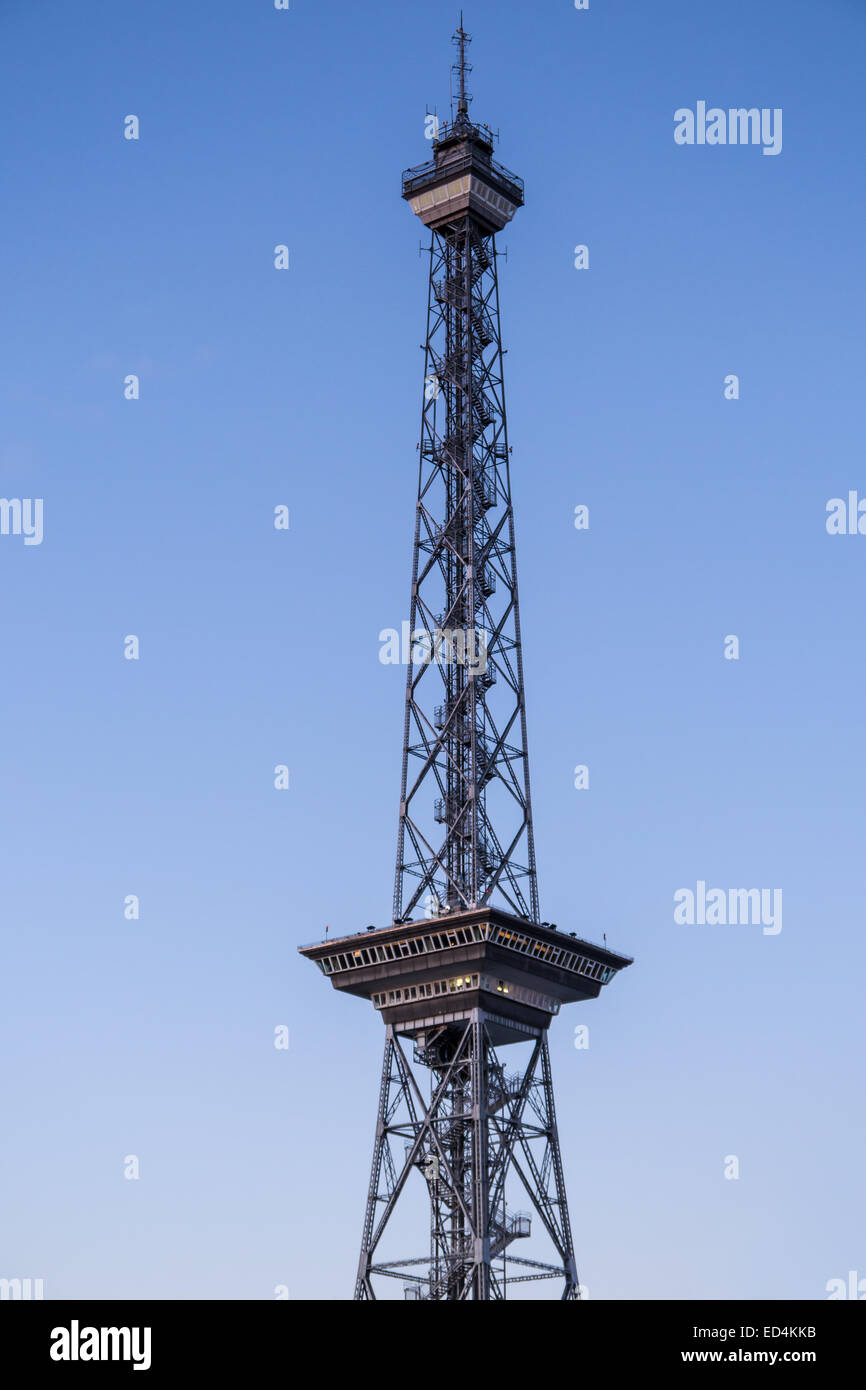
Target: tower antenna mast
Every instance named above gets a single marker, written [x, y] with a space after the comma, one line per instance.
[460, 69]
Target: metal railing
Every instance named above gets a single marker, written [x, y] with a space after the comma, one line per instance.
[419, 174]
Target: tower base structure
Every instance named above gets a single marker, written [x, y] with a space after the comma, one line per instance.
[453, 992]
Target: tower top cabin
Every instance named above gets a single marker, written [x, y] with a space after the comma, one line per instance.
[463, 179]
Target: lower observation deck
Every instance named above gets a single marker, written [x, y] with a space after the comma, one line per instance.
[438, 970]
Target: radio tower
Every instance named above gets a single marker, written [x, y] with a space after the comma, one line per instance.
[477, 971]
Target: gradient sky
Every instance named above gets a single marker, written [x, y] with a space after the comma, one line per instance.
[707, 517]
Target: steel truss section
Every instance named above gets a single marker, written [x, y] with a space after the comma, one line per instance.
[465, 829]
[478, 1127]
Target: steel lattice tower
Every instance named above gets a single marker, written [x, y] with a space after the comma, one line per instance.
[465, 758]
[478, 971]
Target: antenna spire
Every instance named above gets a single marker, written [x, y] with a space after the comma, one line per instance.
[460, 69]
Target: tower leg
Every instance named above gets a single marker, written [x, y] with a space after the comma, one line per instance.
[481, 1160]
[572, 1285]
[363, 1286]
[538, 1161]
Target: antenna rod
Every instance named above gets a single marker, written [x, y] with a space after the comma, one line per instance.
[462, 67]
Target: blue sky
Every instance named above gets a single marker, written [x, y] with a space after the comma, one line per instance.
[258, 387]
